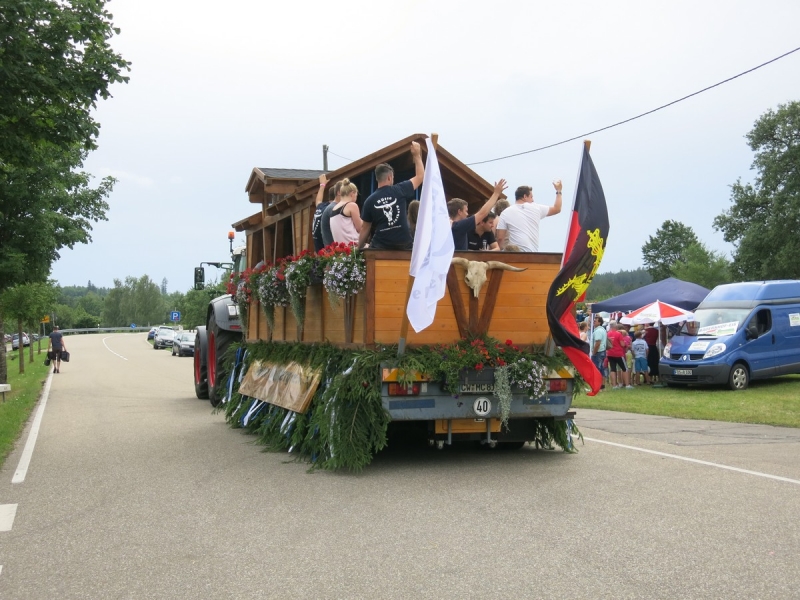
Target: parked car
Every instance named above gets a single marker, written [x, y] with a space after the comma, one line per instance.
[184, 344]
[15, 341]
[152, 333]
[164, 337]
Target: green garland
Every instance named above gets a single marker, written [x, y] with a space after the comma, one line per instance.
[346, 423]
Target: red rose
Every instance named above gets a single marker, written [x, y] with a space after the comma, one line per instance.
[501, 362]
[509, 343]
[479, 367]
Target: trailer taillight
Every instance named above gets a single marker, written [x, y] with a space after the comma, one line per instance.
[557, 385]
[396, 389]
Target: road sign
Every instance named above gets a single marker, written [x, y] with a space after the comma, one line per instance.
[133, 325]
[46, 319]
[174, 316]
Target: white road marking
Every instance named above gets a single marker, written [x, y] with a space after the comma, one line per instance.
[110, 350]
[27, 452]
[7, 514]
[696, 461]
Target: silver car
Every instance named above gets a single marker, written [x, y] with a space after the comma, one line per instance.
[183, 344]
[164, 337]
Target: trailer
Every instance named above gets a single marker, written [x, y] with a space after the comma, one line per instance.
[284, 377]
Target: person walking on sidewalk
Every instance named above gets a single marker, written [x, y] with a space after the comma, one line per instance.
[56, 346]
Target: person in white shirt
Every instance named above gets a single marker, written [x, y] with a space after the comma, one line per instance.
[519, 223]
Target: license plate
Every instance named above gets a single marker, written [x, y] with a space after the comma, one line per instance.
[682, 372]
[476, 388]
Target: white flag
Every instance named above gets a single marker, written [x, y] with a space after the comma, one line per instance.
[433, 247]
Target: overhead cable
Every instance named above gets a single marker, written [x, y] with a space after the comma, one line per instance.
[583, 135]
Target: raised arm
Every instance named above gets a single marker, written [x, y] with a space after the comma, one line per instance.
[484, 210]
[556, 208]
[419, 168]
[323, 181]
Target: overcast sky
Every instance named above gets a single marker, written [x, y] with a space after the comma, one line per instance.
[217, 89]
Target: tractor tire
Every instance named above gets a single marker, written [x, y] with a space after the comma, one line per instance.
[219, 340]
[200, 365]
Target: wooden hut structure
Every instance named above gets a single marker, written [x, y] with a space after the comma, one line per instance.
[511, 305]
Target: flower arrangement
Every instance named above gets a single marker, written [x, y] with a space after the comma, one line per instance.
[272, 291]
[346, 271]
[528, 375]
[298, 277]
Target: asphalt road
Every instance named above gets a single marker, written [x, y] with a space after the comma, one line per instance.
[137, 490]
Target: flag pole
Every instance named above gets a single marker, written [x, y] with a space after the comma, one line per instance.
[401, 344]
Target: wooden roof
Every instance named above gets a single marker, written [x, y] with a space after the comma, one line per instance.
[281, 197]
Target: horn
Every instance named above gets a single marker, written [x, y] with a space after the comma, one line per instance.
[461, 262]
[495, 264]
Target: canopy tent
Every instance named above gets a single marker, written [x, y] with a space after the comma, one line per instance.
[673, 291]
[657, 312]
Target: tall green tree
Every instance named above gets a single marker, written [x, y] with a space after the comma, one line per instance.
[667, 247]
[703, 266]
[764, 220]
[55, 63]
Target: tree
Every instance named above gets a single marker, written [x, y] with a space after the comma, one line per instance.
[666, 248]
[56, 62]
[26, 304]
[703, 266]
[764, 221]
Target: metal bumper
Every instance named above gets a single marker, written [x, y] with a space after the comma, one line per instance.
[701, 374]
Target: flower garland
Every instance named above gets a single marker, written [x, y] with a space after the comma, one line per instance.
[346, 423]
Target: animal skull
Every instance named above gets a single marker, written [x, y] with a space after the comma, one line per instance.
[475, 275]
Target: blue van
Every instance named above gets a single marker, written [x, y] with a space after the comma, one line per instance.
[742, 331]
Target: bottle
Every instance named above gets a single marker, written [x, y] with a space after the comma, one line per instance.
[485, 245]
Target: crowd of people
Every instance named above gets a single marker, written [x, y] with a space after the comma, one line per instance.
[387, 219]
[626, 356]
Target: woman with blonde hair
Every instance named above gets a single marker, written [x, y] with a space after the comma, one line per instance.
[345, 216]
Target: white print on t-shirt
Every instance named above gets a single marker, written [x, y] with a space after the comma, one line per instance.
[388, 209]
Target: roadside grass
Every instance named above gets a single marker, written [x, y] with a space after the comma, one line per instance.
[25, 392]
[773, 401]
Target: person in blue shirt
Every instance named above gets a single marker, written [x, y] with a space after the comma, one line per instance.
[462, 223]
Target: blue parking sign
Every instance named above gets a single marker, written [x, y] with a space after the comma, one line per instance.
[174, 316]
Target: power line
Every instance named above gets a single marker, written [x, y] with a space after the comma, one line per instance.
[577, 137]
[340, 156]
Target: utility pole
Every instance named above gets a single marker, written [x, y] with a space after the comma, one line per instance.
[325, 157]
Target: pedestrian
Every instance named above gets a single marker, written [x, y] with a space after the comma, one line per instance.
[385, 211]
[584, 329]
[463, 223]
[519, 223]
[640, 369]
[616, 357]
[55, 348]
[345, 221]
[599, 340]
[653, 355]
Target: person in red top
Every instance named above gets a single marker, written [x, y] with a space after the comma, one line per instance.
[620, 343]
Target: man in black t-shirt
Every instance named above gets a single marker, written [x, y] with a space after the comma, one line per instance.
[482, 238]
[56, 346]
[463, 223]
[385, 211]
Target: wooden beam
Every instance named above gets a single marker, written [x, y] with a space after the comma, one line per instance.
[457, 302]
[492, 291]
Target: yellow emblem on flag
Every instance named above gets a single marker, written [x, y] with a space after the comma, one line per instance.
[580, 283]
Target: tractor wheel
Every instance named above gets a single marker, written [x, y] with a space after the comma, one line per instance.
[200, 364]
[219, 340]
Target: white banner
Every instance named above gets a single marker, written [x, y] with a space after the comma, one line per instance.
[433, 247]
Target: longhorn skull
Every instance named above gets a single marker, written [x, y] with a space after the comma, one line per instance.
[475, 275]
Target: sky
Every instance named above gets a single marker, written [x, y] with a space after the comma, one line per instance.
[218, 89]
